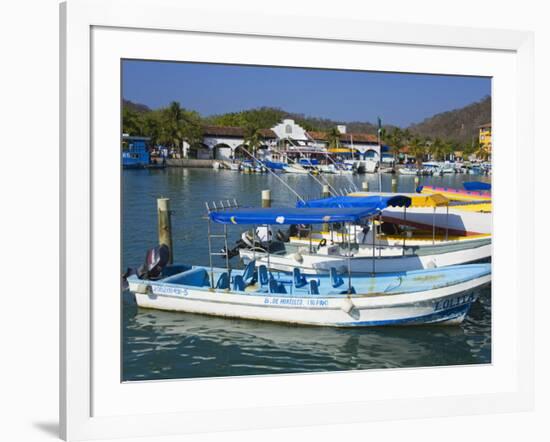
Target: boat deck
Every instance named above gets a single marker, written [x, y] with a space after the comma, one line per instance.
[380, 284]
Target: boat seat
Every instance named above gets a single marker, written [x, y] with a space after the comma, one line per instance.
[276, 287]
[299, 279]
[223, 281]
[249, 273]
[238, 283]
[263, 275]
[335, 278]
[313, 287]
[197, 277]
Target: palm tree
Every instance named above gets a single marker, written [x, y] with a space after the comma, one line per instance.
[333, 138]
[253, 138]
[396, 143]
[179, 125]
[436, 149]
[417, 148]
[482, 152]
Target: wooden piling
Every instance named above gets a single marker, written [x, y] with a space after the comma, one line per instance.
[266, 198]
[165, 224]
[365, 186]
[416, 181]
[326, 191]
[394, 184]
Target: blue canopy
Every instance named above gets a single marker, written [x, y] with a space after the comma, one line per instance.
[476, 185]
[289, 215]
[375, 202]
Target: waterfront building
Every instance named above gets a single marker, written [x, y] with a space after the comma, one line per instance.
[485, 138]
[223, 142]
[135, 151]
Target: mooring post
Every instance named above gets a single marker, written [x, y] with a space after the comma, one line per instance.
[416, 181]
[165, 224]
[266, 198]
[325, 192]
[365, 186]
[394, 184]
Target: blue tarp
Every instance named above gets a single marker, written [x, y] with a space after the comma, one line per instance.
[275, 165]
[476, 185]
[289, 215]
[368, 202]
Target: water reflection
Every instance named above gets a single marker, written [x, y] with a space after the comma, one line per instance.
[164, 345]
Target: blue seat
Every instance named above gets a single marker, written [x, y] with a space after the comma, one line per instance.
[313, 287]
[223, 281]
[238, 283]
[299, 279]
[249, 274]
[263, 275]
[335, 278]
[276, 287]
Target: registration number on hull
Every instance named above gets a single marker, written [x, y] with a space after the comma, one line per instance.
[454, 302]
[296, 302]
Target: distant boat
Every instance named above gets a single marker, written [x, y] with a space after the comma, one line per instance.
[408, 171]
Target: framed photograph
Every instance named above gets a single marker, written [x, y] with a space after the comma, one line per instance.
[326, 221]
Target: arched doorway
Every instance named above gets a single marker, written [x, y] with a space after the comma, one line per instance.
[222, 152]
[200, 152]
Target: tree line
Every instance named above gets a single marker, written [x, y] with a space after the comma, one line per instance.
[172, 125]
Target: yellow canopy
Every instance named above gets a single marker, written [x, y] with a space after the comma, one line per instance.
[341, 150]
[417, 199]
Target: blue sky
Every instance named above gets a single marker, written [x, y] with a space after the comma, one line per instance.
[399, 99]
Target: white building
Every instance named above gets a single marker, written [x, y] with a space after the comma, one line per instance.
[220, 142]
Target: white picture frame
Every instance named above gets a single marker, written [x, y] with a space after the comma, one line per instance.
[94, 404]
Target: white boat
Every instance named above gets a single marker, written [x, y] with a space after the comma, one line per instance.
[408, 171]
[371, 166]
[391, 249]
[296, 168]
[437, 296]
[439, 214]
[457, 221]
[328, 168]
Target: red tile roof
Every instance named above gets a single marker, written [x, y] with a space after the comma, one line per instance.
[358, 137]
[236, 132]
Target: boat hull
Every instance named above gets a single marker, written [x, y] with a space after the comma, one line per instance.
[318, 264]
[458, 222]
[445, 305]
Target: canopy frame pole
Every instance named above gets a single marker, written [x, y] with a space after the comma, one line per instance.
[254, 242]
[210, 246]
[380, 226]
[373, 228]
[433, 227]
[447, 224]
[404, 233]
[349, 263]
[268, 251]
[226, 249]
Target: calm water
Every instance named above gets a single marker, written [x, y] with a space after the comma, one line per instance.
[164, 345]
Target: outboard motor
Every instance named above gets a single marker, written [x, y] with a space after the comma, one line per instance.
[155, 261]
[285, 236]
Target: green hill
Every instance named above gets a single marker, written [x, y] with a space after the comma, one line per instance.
[460, 125]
